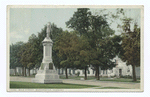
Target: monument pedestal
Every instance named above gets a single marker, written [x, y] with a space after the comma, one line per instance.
[47, 76]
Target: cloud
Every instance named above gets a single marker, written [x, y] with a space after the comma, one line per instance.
[15, 35]
[27, 31]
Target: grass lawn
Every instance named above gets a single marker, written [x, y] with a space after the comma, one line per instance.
[111, 88]
[119, 80]
[29, 85]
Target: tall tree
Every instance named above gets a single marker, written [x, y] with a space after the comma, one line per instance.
[28, 53]
[65, 45]
[83, 54]
[28, 56]
[106, 50]
[80, 21]
[32, 52]
[96, 29]
[23, 56]
[14, 59]
[130, 44]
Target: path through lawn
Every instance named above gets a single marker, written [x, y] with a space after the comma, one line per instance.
[76, 84]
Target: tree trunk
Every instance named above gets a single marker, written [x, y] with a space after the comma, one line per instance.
[98, 78]
[22, 71]
[133, 72]
[96, 73]
[29, 71]
[15, 70]
[85, 74]
[66, 73]
[25, 72]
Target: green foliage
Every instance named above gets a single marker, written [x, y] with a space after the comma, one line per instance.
[65, 46]
[103, 44]
[130, 44]
[80, 21]
[83, 54]
[14, 58]
[30, 65]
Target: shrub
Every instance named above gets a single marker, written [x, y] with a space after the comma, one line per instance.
[126, 76]
[34, 74]
[78, 73]
[104, 76]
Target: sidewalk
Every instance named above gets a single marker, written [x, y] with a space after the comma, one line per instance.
[128, 85]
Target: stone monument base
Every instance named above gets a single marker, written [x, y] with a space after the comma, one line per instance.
[46, 76]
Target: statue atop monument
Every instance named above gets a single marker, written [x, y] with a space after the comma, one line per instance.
[48, 29]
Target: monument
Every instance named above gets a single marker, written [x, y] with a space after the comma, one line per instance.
[47, 72]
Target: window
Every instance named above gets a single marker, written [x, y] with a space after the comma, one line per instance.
[69, 71]
[62, 71]
[83, 71]
[73, 71]
[128, 70]
[116, 61]
[93, 71]
[58, 71]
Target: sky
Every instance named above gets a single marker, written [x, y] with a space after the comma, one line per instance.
[26, 21]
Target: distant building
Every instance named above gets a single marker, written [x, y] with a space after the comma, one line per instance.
[19, 71]
[12, 71]
[121, 69]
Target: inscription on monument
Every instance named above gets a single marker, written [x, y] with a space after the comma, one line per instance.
[50, 65]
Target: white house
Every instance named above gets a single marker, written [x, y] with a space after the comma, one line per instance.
[121, 69]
